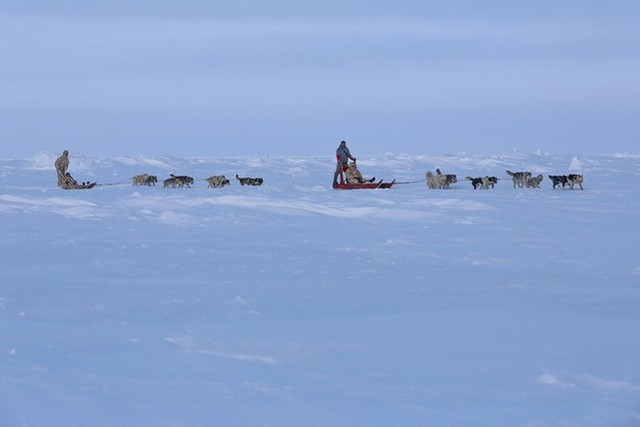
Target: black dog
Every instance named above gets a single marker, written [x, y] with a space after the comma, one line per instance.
[476, 182]
[182, 180]
[250, 181]
[559, 180]
[567, 180]
[483, 182]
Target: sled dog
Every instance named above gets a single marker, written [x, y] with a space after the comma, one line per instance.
[533, 182]
[574, 179]
[178, 181]
[250, 181]
[217, 181]
[567, 180]
[484, 182]
[447, 180]
[519, 178]
[145, 179]
[559, 180]
[182, 180]
[489, 181]
[435, 181]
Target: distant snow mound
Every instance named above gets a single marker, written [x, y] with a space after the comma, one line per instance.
[126, 161]
[626, 155]
[575, 165]
[43, 160]
[129, 161]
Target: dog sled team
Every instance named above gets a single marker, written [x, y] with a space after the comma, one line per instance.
[519, 179]
[346, 171]
[525, 179]
[179, 181]
[67, 182]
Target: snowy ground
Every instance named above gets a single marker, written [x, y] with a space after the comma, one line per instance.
[293, 304]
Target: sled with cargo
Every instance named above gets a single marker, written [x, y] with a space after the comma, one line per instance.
[344, 185]
[67, 182]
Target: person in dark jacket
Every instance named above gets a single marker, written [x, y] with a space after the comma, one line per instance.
[342, 156]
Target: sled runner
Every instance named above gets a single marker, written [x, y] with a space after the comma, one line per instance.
[82, 186]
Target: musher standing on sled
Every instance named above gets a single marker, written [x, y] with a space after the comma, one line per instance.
[62, 164]
[342, 156]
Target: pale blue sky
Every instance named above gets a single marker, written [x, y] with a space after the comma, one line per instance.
[209, 78]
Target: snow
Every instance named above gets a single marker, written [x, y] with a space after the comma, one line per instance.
[294, 304]
[575, 165]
